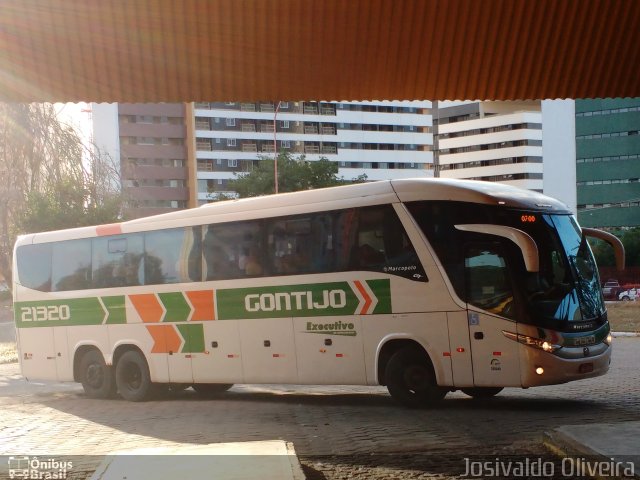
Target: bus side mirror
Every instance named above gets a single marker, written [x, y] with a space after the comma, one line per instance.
[523, 240]
[618, 247]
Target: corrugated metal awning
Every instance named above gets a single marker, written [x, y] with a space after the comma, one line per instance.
[247, 50]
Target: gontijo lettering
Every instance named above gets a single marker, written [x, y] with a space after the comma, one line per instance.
[268, 302]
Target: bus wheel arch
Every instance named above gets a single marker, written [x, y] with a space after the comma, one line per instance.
[407, 370]
[91, 370]
[132, 375]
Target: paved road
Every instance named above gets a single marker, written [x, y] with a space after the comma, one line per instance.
[343, 423]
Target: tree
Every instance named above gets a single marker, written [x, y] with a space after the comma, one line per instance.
[603, 252]
[49, 178]
[294, 174]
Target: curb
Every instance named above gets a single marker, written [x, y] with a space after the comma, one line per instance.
[625, 334]
[563, 444]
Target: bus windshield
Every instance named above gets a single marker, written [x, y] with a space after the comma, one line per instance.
[567, 287]
[565, 290]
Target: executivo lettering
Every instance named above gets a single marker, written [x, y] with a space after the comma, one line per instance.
[335, 328]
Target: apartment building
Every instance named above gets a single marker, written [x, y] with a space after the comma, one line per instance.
[491, 141]
[149, 143]
[175, 156]
[525, 144]
[383, 140]
[608, 162]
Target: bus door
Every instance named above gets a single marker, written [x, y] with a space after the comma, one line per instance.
[490, 311]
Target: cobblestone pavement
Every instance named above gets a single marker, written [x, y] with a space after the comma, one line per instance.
[338, 432]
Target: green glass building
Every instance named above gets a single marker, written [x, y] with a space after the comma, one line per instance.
[608, 162]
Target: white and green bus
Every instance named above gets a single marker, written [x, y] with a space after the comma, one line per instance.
[425, 286]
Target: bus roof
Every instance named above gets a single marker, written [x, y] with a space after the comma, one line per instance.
[373, 193]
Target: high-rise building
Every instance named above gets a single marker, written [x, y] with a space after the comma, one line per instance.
[507, 142]
[608, 162]
[382, 140]
[148, 141]
[175, 156]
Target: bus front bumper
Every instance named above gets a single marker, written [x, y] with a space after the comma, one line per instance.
[565, 365]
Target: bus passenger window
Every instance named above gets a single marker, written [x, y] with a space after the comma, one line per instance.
[34, 266]
[301, 244]
[168, 253]
[380, 244]
[71, 265]
[118, 261]
[232, 250]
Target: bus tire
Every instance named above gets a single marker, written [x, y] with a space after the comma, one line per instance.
[132, 377]
[410, 379]
[482, 392]
[96, 376]
[211, 389]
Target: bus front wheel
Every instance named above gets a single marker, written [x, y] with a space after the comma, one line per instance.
[411, 380]
[132, 377]
[96, 376]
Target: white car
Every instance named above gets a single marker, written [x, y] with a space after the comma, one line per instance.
[628, 295]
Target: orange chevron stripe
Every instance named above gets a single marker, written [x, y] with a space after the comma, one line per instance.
[148, 307]
[165, 338]
[202, 301]
[367, 298]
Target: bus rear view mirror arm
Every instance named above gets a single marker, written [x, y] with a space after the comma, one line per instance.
[618, 247]
[526, 244]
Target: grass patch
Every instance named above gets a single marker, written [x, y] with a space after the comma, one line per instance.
[624, 316]
[8, 352]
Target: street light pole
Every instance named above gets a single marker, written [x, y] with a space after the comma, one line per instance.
[275, 148]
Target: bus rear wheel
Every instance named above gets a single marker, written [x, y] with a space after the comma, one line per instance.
[96, 376]
[132, 377]
[482, 392]
[411, 380]
[211, 389]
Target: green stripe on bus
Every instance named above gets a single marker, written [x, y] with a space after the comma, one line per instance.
[382, 290]
[178, 310]
[53, 313]
[193, 335]
[311, 300]
[116, 309]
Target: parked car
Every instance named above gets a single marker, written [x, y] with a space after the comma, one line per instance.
[611, 289]
[628, 295]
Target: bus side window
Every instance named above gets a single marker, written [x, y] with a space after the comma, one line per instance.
[34, 266]
[172, 256]
[301, 244]
[381, 244]
[118, 261]
[71, 265]
[233, 250]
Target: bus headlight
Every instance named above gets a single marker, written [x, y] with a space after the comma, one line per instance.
[532, 342]
[609, 339]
